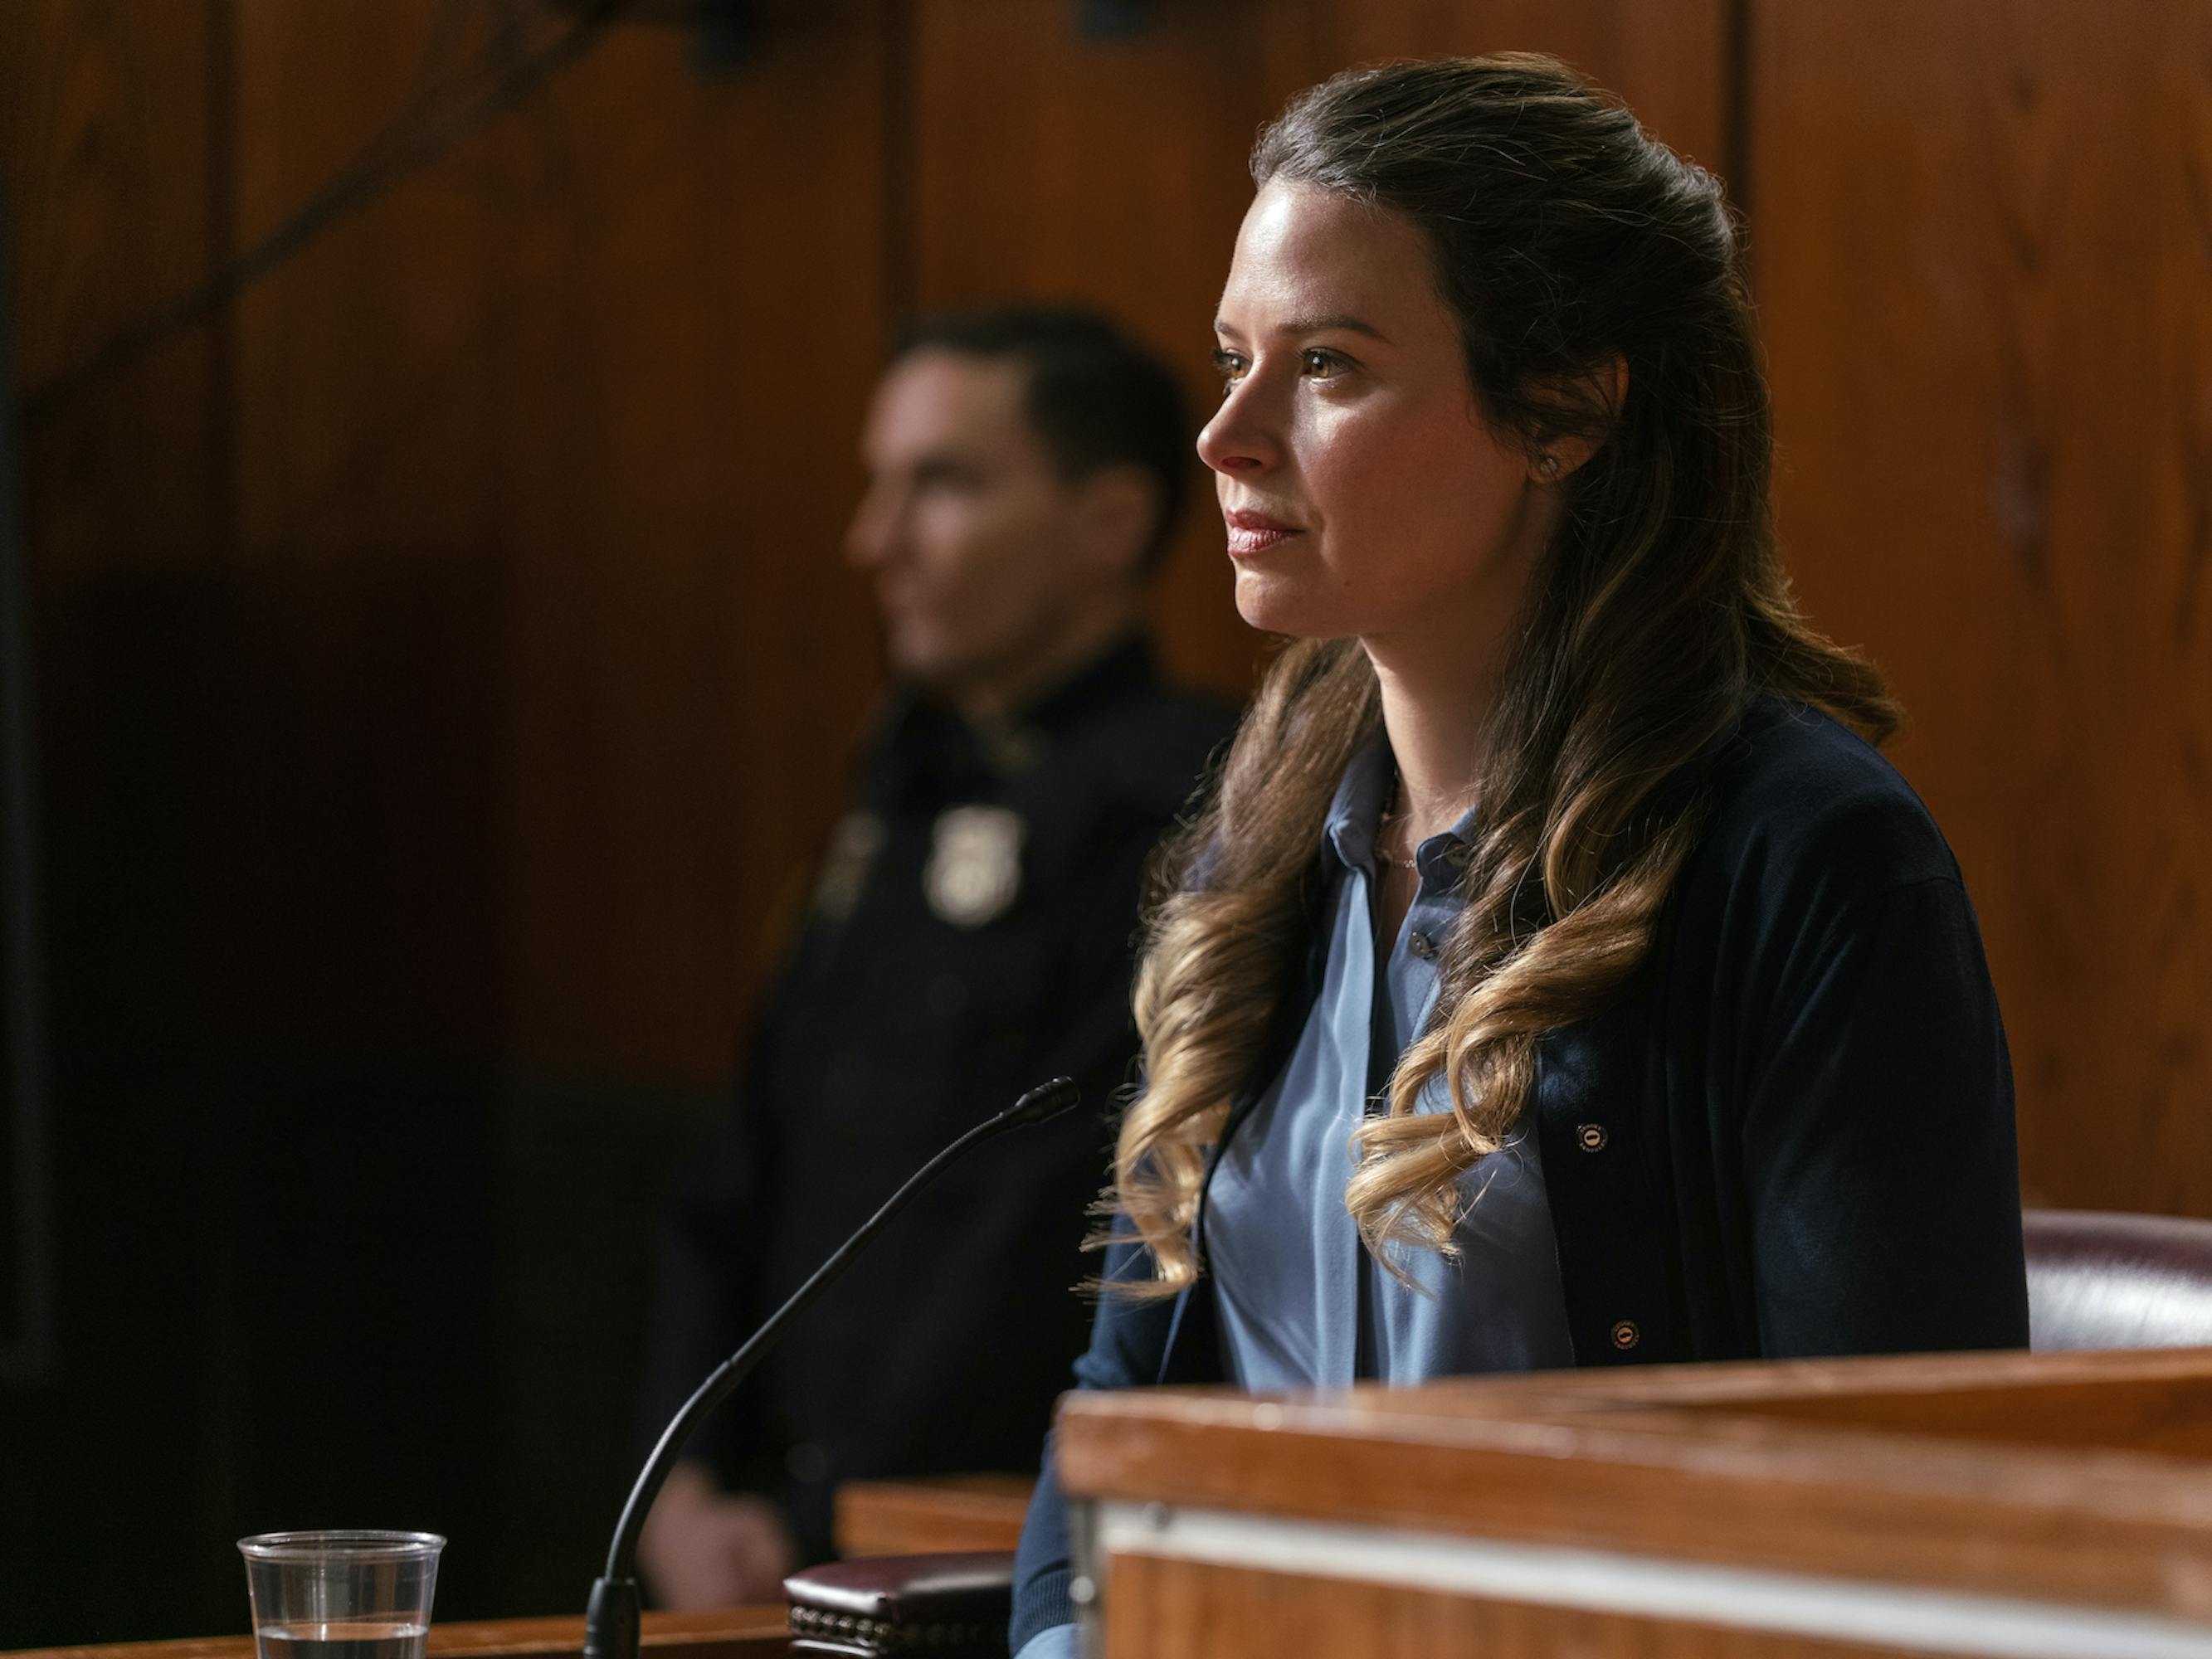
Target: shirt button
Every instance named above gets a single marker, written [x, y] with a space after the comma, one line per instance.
[1591, 1137]
[1422, 946]
[1625, 1336]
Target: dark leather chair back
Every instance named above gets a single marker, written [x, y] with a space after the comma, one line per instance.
[2098, 1281]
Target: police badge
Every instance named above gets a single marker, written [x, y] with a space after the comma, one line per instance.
[975, 867]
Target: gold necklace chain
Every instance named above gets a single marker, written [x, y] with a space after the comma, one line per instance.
[1392, 815]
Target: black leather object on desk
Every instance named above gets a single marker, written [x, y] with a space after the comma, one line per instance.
[2113, 1280]
[949, 1606]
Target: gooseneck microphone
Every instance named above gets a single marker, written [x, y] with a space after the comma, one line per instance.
[610, 1623]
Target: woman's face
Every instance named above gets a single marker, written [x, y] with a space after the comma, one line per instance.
[1364, 494]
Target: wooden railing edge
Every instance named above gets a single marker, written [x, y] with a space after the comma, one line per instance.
[735, 1633]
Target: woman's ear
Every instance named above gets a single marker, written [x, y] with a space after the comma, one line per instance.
[1589, 404]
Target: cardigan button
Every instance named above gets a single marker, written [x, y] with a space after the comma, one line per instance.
[1591, 1137]
[1422, 946]
[1625, 1336]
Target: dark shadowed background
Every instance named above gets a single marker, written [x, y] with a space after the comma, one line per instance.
[437, 667]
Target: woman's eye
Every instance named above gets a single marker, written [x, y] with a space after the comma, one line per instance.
[1229, 366]
[1321, 365]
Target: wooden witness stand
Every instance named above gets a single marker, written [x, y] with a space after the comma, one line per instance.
[1998, 1505]
[2055, 1506]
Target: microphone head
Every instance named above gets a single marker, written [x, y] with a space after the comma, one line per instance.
[1047, 1099]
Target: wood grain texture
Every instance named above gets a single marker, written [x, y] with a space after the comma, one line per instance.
[112, 186]
[1106, 173]
[915, 1517]
[693, 662]
[1165, 1609]
[112, 182]
[1667, 62]
[2169, 1418]
[1871, 1483]
[110, 163]
[545, 459]
[1984, 252]
[525, 550]
[738, 1633]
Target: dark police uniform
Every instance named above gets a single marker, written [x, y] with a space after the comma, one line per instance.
[971, 934]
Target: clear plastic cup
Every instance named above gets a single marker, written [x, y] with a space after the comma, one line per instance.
[341, 1594]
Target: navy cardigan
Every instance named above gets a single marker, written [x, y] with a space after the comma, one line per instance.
[1791, 1136]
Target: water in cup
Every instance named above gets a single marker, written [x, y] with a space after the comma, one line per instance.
[342, 1594]
[352, 1638]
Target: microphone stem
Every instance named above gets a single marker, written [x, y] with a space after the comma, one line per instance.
[612, 1621]
[622, 1554]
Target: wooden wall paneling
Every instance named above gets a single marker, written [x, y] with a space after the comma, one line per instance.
[108, 169]
[563, 432]
[1107, 172]
[358, 871]
[108, 120]
[1984, 261]
[352, 991]
[693, 662]
[1667, 60]
[698, 327]
[108, 137]
[547, 459]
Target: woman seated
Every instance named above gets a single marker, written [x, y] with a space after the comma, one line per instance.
[1558, 976]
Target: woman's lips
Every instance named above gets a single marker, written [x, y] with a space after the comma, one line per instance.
[1253, 533]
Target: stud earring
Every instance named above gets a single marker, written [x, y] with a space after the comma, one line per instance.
[1548, 468]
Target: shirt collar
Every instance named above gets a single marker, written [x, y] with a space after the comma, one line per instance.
[1356, 812]
[925, 748]
[1124, 667]
[1355, 816]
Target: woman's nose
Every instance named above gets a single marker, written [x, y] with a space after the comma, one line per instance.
[1238, 439]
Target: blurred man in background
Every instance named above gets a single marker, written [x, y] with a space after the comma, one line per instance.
[970, 936]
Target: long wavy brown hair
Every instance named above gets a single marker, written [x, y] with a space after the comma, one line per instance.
[1566, 240]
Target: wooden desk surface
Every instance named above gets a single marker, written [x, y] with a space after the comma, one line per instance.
[920, 1516]
[2085, 1479]
[740, 1633]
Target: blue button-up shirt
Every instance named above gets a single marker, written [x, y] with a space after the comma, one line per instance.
[1720, 1141]
[1302, 1302]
